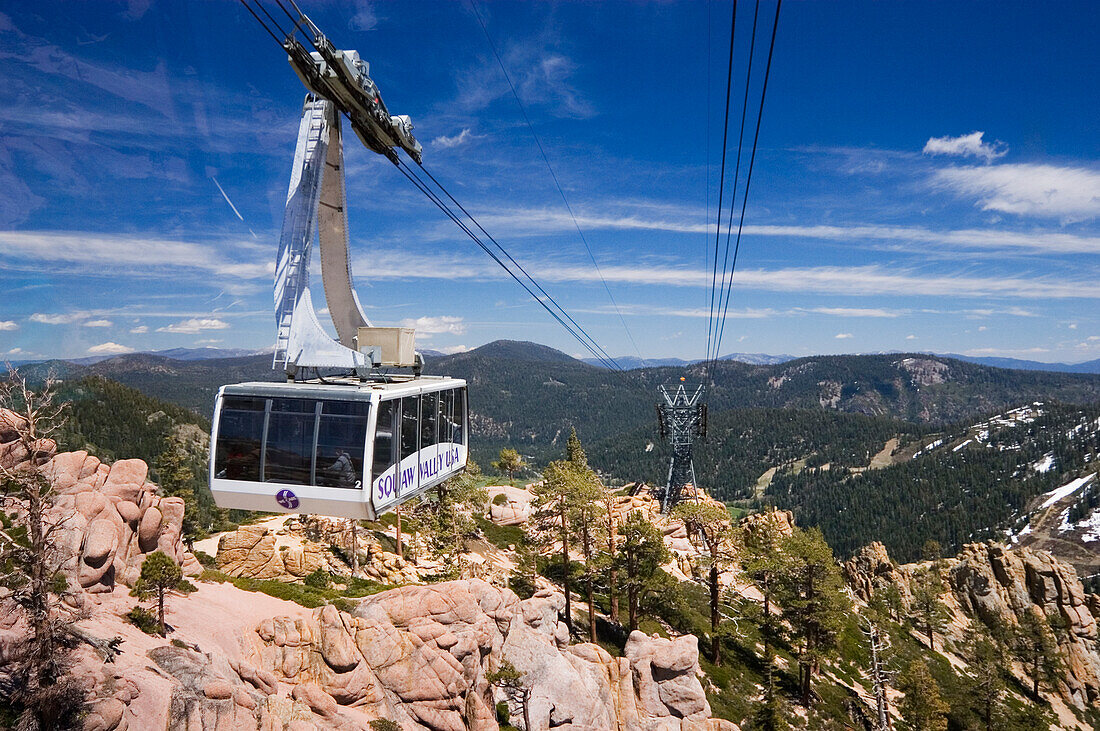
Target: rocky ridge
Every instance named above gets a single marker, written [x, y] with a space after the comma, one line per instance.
[417, 655]
[990, 583]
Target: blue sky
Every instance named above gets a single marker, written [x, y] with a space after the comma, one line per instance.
[928, 175]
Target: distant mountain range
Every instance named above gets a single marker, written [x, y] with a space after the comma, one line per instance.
[628, 362]
[1089, 366]
[811, 412]
[631, 362]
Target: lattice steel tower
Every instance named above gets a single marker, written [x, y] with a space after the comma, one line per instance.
[681, 419]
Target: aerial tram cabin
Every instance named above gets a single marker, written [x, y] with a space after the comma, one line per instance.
[357, 445]
[340, 448]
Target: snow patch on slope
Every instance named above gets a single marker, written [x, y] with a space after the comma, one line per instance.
[1064, 491]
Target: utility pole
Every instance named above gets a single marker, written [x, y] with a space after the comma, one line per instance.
[681, 419]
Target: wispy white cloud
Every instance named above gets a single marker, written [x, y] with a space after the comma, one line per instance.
[194, 325]
[910, 337]
[110, 348]
[57, 318]
[1067, 193]
[854, 311]
[448, 324]
[125, 253]
[445, 143]
[8, 325]
[835, 280]
[452, 349]
[843, 336]
[546, 221]
[140, 329]
[98, 323]
[970, 145]
[365, 18]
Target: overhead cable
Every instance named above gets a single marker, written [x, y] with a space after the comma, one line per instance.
[736, 173]
[721, 184]
[572, 327]
[752, 160]
[553, 175]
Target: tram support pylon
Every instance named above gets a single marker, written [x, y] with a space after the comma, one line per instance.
[682, 418]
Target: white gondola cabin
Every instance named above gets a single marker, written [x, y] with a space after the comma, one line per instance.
[342, 448]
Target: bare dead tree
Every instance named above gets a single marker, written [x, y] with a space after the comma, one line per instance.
[31, 562]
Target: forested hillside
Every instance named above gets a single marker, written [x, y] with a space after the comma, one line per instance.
[798, 434]
[743, 444]
[968, 484]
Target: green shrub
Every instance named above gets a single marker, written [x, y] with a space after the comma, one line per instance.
[500, 499]
[179, 643]
[319, 579]
[504, 714]
[207, 561]
[144, 620]
[343, 604]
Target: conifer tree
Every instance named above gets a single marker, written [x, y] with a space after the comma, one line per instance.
[515, 686]
[923, 709]
[590, 504]
[927, 608]
[452, 519]
[159, 574]
[1034, 645]
[763, 560]
[813, 600]
[176, 479]
[985, 683]
[610, 535]
[509, 462]
[709, 524]
[555, 503]
[641, 554]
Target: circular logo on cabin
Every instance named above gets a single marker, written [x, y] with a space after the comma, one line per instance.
[287, 499]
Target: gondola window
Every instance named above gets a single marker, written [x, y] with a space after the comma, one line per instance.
[240, 438]
[429, 403]
[341, 438]
[384, 443]
[288, 451]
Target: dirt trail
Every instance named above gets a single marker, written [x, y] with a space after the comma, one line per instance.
[885, 457]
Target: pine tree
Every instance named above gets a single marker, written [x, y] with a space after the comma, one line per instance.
[813, 600]
[927, 608]
[451, 520]
[641, 553]
[556, 499]
[176, 479]
[763, 560]
[709, 524]
[513, 684]
[985, 684]
[159, 574]
[509, 461]
[923, 709]
[1034, 645]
